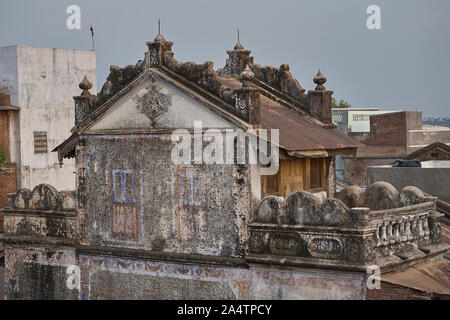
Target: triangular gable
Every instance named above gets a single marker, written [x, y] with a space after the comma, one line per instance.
[151, 102]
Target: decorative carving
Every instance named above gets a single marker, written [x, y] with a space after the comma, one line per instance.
[153, 104]
[200, 74]
[44, 197]
[268, 209]
[241, 103]
[354, 249]
[324, 246]
[284, 244]
[258, 242]
[435, 232]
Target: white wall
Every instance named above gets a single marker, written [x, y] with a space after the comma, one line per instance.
[45, 82]
[361, 126]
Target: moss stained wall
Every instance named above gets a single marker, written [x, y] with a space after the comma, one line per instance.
[136, 197]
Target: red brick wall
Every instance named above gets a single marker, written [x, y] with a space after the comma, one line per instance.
[7, 185]
[355, 169]
[390, 291]
[387, 130]
[8, 170]
[4, 132]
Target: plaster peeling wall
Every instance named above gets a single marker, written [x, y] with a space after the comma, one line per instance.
[109, 277]
[200, 209]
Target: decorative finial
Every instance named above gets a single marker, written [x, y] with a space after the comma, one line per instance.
[238, 45]
[159, 37]
[320, 80]
[247, 75]
[85, 85]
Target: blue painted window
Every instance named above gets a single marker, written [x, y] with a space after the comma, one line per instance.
[192, 188]
[124, 186]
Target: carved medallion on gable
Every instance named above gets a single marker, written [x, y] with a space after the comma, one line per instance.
[154, 103]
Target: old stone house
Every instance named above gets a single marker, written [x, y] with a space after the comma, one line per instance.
[120, 142]
[141, 226]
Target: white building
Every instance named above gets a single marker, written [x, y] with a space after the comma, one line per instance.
[352, 120]
[355, 119]
[41, 82]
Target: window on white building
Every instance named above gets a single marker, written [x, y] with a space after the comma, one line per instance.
[40, 142]
[361, 117]
[337, 118]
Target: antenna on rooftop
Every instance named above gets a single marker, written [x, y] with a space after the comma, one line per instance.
[92, 34]
[238, 36]
[159, 26]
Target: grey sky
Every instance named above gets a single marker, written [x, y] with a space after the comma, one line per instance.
[403, 66]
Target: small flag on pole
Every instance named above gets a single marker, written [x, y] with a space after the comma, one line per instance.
[93, 43]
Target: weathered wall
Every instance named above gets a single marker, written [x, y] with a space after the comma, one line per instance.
[38, 274]
[355, 168]
[185, 209]
[435, 181]
[42, 82]
[387, 130]
[41, 274]
[418, 139]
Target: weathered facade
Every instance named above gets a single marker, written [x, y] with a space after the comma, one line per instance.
[40, 84]
[142, 226]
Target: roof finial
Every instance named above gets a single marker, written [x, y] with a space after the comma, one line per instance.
[85, 85]
[159, 37]
[238, 45]
[320, 80]
[247, 75]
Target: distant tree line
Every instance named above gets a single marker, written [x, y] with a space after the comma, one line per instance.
[340, 104]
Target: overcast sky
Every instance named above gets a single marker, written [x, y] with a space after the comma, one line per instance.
[405, 65]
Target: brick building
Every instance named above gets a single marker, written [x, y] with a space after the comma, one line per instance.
[392, 136]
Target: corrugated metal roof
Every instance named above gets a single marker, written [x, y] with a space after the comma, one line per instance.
[430, 277]
[297, 133]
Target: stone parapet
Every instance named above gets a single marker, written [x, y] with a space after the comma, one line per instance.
[380, 226]
[43, 212]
